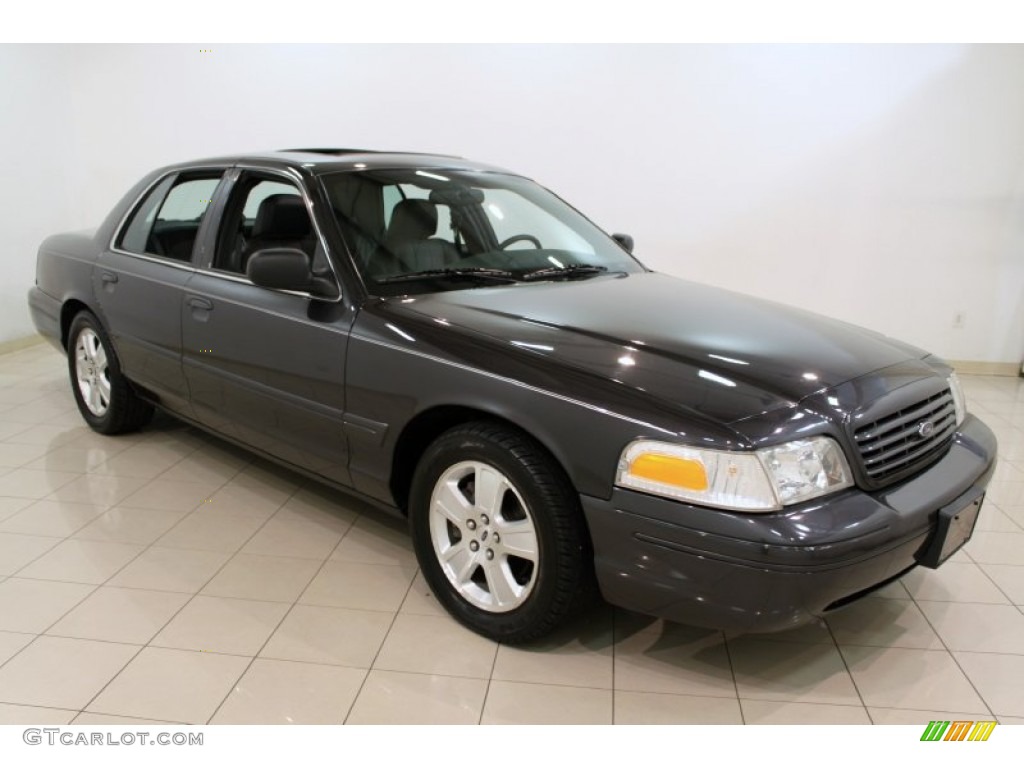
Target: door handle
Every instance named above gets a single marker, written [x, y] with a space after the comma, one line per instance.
[197, 302]
[108, 277]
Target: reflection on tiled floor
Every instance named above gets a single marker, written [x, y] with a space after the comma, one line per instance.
[167, 576]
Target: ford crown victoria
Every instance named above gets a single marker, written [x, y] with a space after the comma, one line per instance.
[458, 345]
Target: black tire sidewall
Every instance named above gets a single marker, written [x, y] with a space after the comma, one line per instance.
[109, 422]
[550, 503]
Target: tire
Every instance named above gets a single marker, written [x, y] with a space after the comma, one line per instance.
[511, 564]
[105, 399]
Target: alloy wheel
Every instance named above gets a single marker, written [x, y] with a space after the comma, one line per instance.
[91, 372]
[484, 537]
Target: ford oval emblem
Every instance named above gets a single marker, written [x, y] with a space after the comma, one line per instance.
[925, 429]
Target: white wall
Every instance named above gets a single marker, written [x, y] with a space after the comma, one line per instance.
[882, 185]
[34, 152]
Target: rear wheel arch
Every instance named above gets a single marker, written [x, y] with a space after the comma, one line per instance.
[68, 311]
[105, 398]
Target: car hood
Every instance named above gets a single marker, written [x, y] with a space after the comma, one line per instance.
[726, 355]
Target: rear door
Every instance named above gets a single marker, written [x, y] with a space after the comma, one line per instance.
[139, 279]
[265, 366]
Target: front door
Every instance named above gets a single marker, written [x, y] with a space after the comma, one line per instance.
[264, 366]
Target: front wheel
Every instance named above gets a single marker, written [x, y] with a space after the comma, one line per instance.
[104, 397]
[498, 532]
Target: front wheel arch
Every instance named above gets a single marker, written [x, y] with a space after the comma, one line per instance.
[425, 427]
[560, 581]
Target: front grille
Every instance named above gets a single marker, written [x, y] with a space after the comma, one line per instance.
[893, 445]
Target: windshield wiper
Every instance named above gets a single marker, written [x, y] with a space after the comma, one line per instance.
[569, 270]
[470, 273]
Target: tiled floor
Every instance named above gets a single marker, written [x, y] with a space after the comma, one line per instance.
[166, 576]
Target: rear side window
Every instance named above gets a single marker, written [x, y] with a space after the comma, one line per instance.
[167, 221]
[136, 233]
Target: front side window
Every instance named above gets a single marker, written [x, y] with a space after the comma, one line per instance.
[263, 212]
[403, 227]
[166, 223]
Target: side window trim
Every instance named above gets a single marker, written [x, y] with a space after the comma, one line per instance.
[173, 177]
[122, 228]
[205, 265]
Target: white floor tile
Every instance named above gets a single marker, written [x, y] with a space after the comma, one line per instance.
[174, 570]
[360, 585]
[633, 708]
[18, 550]
[911, 678]
[172, 685]
[222, 625]
[329, 636]
[51, 518]
[28, 605]
[85, 562]
[758, 712]
[977, 627]
[291, 693]
[806, 674]
[120, 615]
[11, 643]
[402, 698]
[61, 672]
[670, 659]
[263, 577]
[533, 704]
[435, 646]
[883, 622]
[997, 678]
[21, 714]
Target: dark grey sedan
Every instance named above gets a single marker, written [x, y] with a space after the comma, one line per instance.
[458, 345]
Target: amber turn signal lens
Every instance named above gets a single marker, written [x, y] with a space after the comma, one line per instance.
[671, 470]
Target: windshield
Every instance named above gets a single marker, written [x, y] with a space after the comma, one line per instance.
[416, 230]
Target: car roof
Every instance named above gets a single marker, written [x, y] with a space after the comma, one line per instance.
[327, 160]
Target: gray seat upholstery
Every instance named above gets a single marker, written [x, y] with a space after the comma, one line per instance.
[282, 221]
[410, 237]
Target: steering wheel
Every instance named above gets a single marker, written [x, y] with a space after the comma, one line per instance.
[516, 238]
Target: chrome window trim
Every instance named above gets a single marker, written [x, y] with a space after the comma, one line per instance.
[155, 259]
[190, 266]
[135, 205]
[242, 302]
[237, 278]
[296, 179]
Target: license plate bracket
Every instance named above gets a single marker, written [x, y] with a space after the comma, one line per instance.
[954, 528]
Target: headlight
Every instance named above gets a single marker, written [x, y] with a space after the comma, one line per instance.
[747, 481]
[807, 468]
[959, 401]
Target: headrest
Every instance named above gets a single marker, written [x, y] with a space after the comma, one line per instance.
[412, 220]
[282, 217]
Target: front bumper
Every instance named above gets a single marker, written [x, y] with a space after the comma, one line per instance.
[770, 572]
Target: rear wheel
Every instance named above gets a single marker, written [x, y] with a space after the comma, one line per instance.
[104, 397]
[498, 532]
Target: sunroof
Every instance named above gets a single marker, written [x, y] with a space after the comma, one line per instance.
[330, 151]
[340, 151]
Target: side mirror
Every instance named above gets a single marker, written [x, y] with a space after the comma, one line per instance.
[286, 269]
[626, 241]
